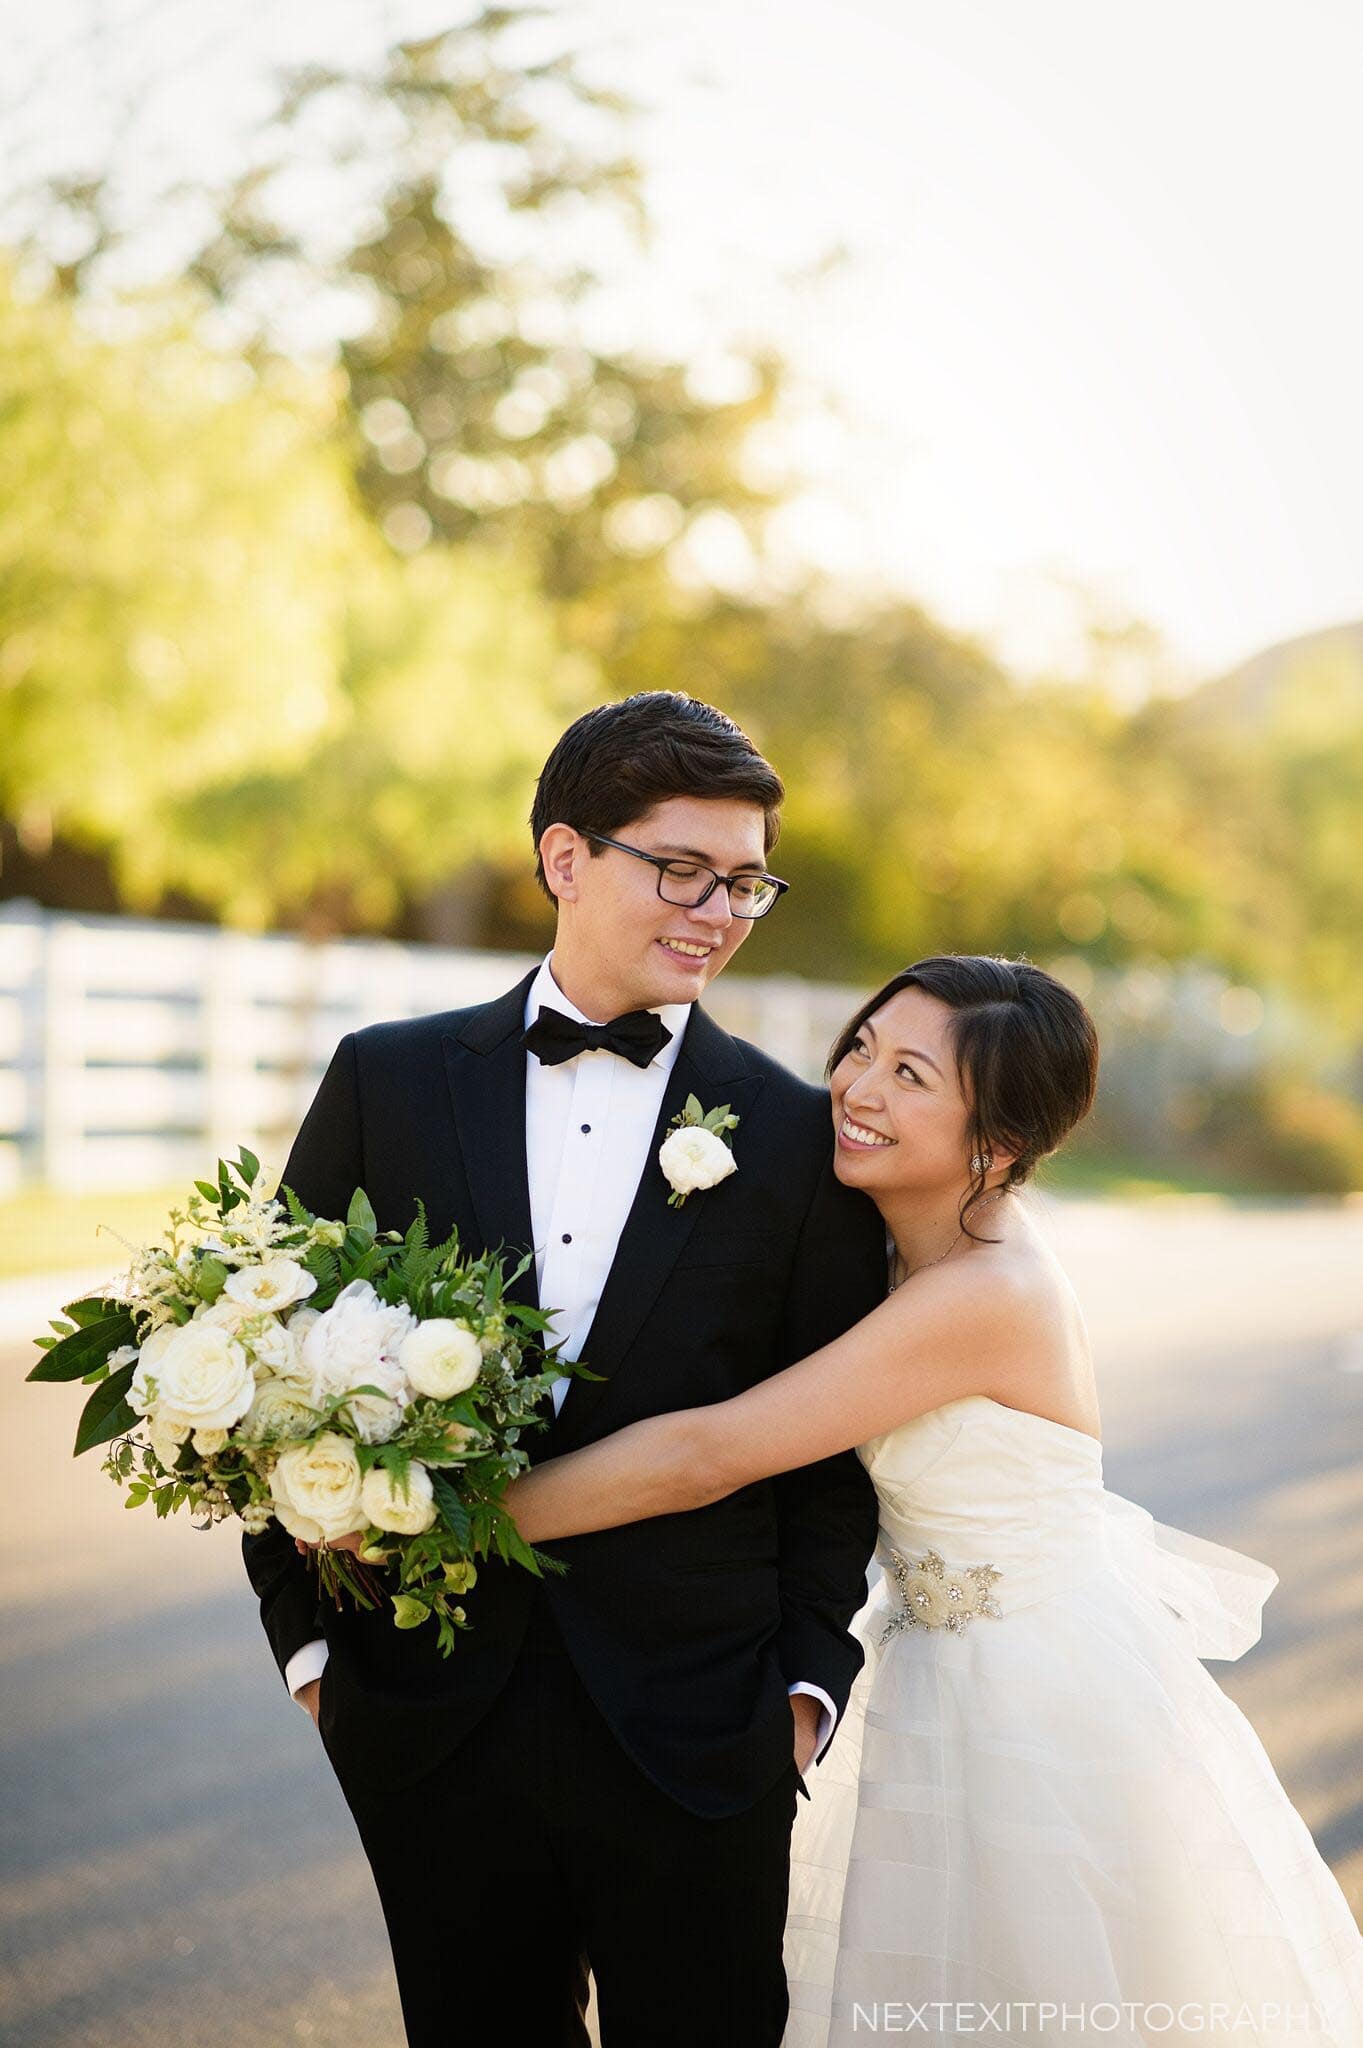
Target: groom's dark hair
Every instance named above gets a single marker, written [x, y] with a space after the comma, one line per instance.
[1026, 1056]
[615, 763]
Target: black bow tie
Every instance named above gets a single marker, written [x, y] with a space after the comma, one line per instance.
[638, 1036]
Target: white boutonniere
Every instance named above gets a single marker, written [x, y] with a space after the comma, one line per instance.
[696, 1153]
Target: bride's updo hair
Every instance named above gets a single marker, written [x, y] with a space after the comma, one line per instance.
[1026, 1056]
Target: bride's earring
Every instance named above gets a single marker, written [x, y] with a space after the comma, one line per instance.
[982, 1163]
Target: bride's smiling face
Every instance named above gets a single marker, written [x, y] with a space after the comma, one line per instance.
[899, 1114]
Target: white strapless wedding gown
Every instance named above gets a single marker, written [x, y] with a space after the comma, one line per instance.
[1053, 1803]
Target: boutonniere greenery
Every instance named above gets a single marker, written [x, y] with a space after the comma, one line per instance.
[697, 1152]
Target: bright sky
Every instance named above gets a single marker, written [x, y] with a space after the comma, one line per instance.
[1096, 324]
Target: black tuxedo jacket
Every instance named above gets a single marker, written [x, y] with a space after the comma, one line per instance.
[686, 1629]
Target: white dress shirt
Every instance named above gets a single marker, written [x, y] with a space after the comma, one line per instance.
[589, 1124]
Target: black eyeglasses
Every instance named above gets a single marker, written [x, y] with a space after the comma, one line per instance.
[684, 882]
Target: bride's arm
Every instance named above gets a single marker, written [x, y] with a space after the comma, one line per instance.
[937, 1338]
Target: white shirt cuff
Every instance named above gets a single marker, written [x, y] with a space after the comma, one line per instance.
[828, 1719]
[305, 1665]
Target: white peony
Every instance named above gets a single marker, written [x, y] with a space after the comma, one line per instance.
[205, 1376]
[275, 1285]
[316, 1489]
[441, 1358]
[387, 1506]
[282, 1407]
[693, 1157]
[356, 1342]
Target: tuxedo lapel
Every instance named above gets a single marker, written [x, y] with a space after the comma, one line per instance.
[710, 1065]
[485, 1068]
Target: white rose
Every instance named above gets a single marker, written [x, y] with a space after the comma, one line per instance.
[166, 1433]
[205, 1376]
[441, 1358]
[389, 1508]
[281, 1408]
[357, 1342]
[139, 1400]
[208, 1442]
[316, 1489]
[693, 1157]
[275, 1285]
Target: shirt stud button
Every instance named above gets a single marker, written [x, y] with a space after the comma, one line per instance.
[585, 1129]
[567, 1237]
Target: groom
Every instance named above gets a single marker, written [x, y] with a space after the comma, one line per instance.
[604, 1771]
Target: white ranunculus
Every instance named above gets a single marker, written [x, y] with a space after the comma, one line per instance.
[208, 1442]
[316, 1489]
[204, 1375]
[282, 1407]
[356, 1342]
[441, 1358]
[272, 1346]
[693, 1157]
[139, 1400]
[225, 1314]
[387, 1507]
[276, 1284]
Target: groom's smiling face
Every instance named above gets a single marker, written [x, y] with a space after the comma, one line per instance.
[619, 945]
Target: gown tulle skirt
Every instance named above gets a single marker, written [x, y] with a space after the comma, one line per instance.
[1053, 1823]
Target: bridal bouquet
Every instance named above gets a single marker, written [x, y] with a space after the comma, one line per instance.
[262, 1362]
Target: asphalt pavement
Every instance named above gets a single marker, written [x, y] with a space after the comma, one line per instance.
[179, 1869]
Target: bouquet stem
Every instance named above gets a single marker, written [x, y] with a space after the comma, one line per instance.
[340, 1569]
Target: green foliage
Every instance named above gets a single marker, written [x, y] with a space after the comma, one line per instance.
[75, 1355]
[106, 1414]
[320, 626]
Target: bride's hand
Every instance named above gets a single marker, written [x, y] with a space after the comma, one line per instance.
[354, 1543]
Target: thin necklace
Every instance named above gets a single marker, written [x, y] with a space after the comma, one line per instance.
[902, 1277]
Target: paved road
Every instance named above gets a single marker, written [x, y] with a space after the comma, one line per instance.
[179, 1869]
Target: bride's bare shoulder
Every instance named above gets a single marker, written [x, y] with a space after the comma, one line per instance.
[1033, 1340]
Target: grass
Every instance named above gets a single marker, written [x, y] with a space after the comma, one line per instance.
[1125, 1179]
[43, 1230]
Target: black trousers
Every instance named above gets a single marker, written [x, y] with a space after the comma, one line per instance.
[540, 1849]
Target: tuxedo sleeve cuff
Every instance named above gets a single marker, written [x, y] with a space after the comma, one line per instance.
[828, 1718]
[305, 1665]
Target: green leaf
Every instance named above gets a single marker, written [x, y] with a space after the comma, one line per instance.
[73, 1357]
[248, 1166]
[360, 1215]
[408, 1611]
[207, 1190]
[91, 1310]
[106, 1414]
[210, 1277]
[693, 1112]
[453, 1512]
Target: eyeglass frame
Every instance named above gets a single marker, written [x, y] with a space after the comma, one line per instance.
[663, 861]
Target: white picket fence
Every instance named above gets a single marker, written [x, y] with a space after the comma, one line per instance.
[134, 1053]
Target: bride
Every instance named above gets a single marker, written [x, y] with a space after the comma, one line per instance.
[1040, 1814]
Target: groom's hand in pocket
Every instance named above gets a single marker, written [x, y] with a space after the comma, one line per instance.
[805, 1711]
